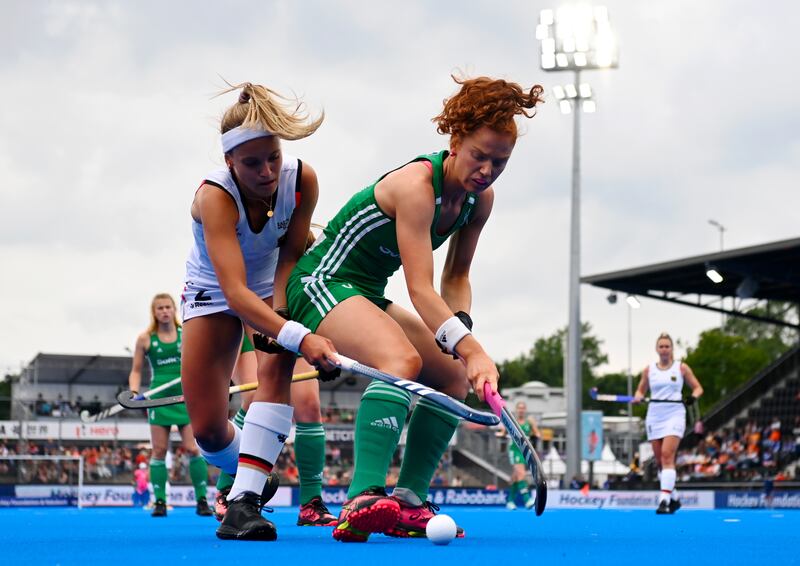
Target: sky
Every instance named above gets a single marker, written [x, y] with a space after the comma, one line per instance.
[108, 123]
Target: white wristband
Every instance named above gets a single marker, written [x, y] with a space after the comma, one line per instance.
[291, 335]
[450, 333]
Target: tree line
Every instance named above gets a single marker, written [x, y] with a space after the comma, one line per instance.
[723, 358]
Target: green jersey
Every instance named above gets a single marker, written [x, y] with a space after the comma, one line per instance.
[165, 365]
[515, 454]
[358, 251]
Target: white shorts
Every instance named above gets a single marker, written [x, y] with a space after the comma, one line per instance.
[199, 300]
[665, 420]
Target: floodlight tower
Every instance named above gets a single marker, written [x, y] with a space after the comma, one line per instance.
[575, 38]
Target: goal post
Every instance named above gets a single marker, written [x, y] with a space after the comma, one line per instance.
[41, 480]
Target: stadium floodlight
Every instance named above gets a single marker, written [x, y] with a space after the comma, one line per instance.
[713, 274]
[571, 94]
[575, 39]
[633, 302]
[582, 35]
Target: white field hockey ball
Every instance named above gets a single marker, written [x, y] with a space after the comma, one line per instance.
[441, 529]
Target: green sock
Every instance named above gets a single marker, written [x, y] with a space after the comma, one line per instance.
[379, 423]
[309, 451]
[225, 481]
[158, 477]
[429, 433]
[198, 471]
[522, 487]
[512, 493]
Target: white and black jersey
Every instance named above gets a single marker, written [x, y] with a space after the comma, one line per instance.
[202, 294]
[665, 419]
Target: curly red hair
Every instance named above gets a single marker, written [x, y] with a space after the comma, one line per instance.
[484, 101]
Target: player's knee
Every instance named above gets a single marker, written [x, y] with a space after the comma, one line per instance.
[406, 364]
[211, 438]
[307, 411]
[159, 452]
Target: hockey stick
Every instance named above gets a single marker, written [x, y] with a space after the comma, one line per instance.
[261, 342]
[498, 405]
[446, 402]
[130, 401]
[626, 398]
[692, 410]
[114, 409]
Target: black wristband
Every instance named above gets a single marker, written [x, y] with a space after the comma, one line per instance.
[465, 318]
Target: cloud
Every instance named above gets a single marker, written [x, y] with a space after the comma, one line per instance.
[108, 123]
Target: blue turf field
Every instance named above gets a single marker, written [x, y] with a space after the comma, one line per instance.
[38, 535]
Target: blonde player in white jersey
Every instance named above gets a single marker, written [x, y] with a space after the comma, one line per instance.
[250, 224]
[666, 414]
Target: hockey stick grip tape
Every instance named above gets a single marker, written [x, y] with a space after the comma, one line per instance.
[495, 401]
[345, 363]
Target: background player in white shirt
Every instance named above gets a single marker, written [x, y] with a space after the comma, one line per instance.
[666, 414]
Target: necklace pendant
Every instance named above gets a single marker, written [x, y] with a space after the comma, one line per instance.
[269, 214]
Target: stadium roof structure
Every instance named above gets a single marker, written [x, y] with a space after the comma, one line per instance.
[80, 369]
[764, 272]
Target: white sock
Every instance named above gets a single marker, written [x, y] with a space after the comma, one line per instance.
[667, 483]
[674, 495]
[266, 427]
[227, 458]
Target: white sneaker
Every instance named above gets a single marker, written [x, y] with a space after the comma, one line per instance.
[511, 506]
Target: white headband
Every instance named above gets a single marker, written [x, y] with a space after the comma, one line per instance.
[237, 136]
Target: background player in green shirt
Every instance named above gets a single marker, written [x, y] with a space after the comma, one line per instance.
[337, 290]
[161, 345]
[519, 467]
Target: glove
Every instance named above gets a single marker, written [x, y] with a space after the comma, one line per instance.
[329, 375]
[268, 345]
[689, 400]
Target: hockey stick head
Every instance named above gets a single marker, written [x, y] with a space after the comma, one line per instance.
[497, 403]
[125, 399]
[532, 459]
[593, 393]
[541, 497]
[133, 400]
[86, 417]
